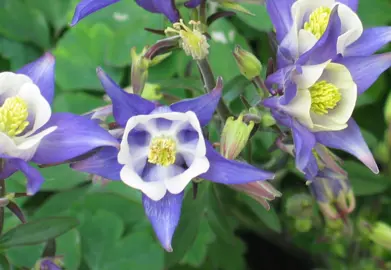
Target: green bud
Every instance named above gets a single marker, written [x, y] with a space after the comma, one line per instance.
[381, 234]
[299, 206]
[139, 71]
[303, 225]
[267, 120]
[235, 136]
[234, 6]
[248, 64]
[387, 110]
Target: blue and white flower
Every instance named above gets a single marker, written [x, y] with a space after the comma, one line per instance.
[162, 150]
[30, 132]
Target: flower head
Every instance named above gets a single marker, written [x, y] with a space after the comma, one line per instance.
[162, 150]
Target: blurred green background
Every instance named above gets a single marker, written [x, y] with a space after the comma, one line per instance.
[114, 234]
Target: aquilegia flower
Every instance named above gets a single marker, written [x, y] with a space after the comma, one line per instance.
[30, 132]
[162, 150]
[166, 7]
[303, 25]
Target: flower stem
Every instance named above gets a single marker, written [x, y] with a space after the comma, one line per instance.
[2, 194]
[210, 83]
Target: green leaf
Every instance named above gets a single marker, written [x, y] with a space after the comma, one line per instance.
[269, 218]
[37, 231]
[260, 21]
[68, 246]
[78, 103]
[80, 51]
[374, 12]
[25, 256]
[4, 264]
[363, 181]
[19, 54]
[228, 256]
[20, 22]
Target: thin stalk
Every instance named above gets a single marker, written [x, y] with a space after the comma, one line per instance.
[210, 83]
[2, 194]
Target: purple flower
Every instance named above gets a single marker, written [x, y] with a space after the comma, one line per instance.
[317, 104]
[30, 132]
[303, 26]
[162, 150]
[166, 7]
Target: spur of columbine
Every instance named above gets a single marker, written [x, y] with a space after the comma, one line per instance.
[303, 26]
[166, 7]
[162, 150]
[30, 132]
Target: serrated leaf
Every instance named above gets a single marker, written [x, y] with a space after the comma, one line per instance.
[37, 231]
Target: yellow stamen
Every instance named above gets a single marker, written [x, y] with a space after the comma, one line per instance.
[324, 97]
[318, 21]
[193, 42]
[162, 151]
[13, 116]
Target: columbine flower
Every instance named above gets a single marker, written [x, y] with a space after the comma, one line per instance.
[49, 264]
[166, 7]
[333, 193]
[317, 101]
[162, 150]
[192, 41]
[28, 129]
[303, 25]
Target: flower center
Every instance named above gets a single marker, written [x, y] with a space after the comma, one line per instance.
[13, 116]
[324, 97]
[162, 151]
[193, 42]
[318, 21]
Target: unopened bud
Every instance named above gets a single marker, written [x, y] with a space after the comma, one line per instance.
[235, 136]
[139, 71]
[303, 225]
[299, 206]
[248, 64]
[192, 41]
[380, 233]
[387, 110]
[261, 191]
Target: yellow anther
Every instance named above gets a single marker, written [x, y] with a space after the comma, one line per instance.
[193, 42]
[13, 116]
[318, 21]
[162, 151]
[324, 97]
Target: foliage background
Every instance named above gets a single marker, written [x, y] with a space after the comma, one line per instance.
[113, 231]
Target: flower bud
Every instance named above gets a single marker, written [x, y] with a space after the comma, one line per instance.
[303, 225]
[333, 193]
[387, 110]
[139, 70]
[248, 64]
[261, 191]
[299, 206]
[235, 136]
[380, 233]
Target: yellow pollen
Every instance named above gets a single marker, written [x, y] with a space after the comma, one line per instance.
[13, 116]
[193, 42]
[324, 97]
[318, 21]
[162, 151]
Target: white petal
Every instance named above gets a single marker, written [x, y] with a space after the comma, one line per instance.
[301, 9]
[38, 107]
[154, 190]
[10, 84]
[325, 123]
[340, 76]
[310, 75]
[306, 41]
[300, 107]
[351, 27]
[23, 148]
[178, 183]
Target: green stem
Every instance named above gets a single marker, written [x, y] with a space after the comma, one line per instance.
[210, 83]
[2, 194]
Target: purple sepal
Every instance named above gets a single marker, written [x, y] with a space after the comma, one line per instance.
[371, 40]
[366, 69]
[353, 4]
[125, 105]
[203, 106]
[231, 172]
[304, 141]
[75, 135]
[312, 168]
[8, 169]
[41, 72]
[86, 7]
[34, 178]
[104, 163]
[193, 3]
[166, 7]
[164, 216]
[349, 140]
[280, 15]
